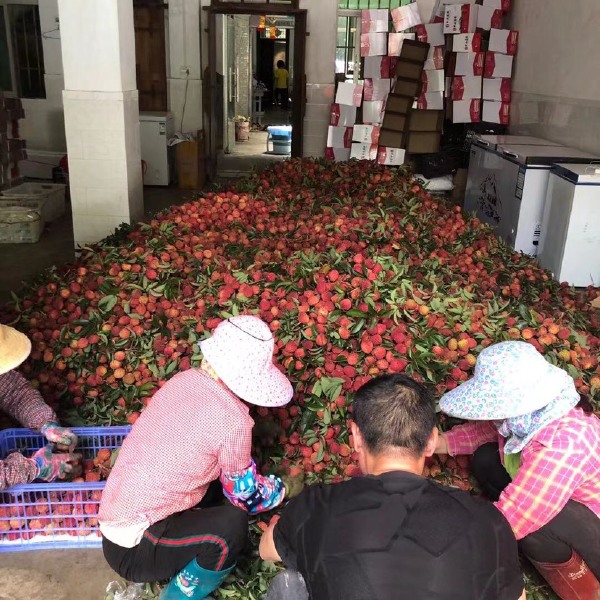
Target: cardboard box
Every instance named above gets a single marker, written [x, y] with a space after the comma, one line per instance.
[460, 18]
[431, 101]
[395, 121]
[431, 33]
[375, 20]
[377, 67]
[496, 112]
[396, 41]
[497, 65]
[191, 174]
[406, 17]
[390, 156]
[466, 111]
[489, 18]
[504, 41]
[349, 93]
[470, 64]
[364, 151]
[408, 69]
[433, 81]
[372, 112]
[426, 120]
[423, 142]
[337, 154]
[373, 44]
[466, 88]
[413, 50]
[342, 115]
[376, 89]
[466, 42]
[435, 58]
[499, 89]
[366, 134]
[503, 5]
[399, 104]
[339, 137]
[408, 87]
[391, 139]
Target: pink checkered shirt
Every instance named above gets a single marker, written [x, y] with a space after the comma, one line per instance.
[561, 463]
[193, 429]
[24, 404]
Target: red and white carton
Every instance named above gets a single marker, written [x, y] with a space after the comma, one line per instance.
[431, 101]
[339, 137]
[496, 112]
[433, 81]
[466, 42]
[503, 5]
[504, 41]
[363, 151]
[377, 89]
[377, 67]
[366, 134]
[435, 58]
[460, 18]
[342, 115]
[466, 111]
[349, 93]
[470, 64]
[497, 65]
[391, 156]
[372, 112]
[374, 20]
[499, 89]
[395, 42]
[431, 33]
[337, 154]
[373, 44]
[489, 18]
[466, 88]
[406, 17]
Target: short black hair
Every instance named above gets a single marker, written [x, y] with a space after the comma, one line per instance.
[394, 412]
[280, 64]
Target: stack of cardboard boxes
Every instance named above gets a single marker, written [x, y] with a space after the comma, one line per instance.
[12, 147]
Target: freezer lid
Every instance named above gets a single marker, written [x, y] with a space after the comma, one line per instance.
[492, 141]
[156, 116]
[582, 174]
[543, 155]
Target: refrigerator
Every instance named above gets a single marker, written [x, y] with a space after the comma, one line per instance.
[156, 129]
[507, 183]
[570, 248]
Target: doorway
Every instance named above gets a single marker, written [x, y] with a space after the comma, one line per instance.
[253, 121]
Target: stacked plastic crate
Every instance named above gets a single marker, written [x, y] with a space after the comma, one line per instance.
[12, 147]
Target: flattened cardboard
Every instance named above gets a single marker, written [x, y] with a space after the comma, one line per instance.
[408, 87]
[433, 81]
[364, 151]
[504, 41]
[339, 137]
[391, 139]
[406, 17]
[366, 134]
[373, 44]
[376, 89]
[394, 121]
[466, 42]
[372, 112]
[431, 33]
[398, 104]
[499, 89]
[435, 58]
[460, 18]
[337, 154]
[349, 93]
[470, 64]
[391, 156]
[488, 18]
[423, 142]
[466, 111]
[503, 5]
[426, 120]
[413, 50]
[374, 20]
[431, 101]
[342, 115]
[409, 69]
[497, 65]
[377, 67]
[466, 88]
[496, 112]
[396, 41]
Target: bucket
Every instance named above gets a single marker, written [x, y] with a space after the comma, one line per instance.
[280, 138]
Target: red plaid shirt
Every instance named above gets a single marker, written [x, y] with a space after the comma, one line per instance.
[193, 429]
[561, 463]
[24, 404]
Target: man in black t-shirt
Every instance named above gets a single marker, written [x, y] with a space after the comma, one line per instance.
[392, 534]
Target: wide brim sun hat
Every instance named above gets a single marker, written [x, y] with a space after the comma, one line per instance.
[511, 379]
[241, 353]
[15, 347]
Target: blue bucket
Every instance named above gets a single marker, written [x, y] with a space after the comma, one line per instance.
[281, 139]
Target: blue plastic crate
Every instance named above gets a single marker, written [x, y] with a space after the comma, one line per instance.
[36, 516]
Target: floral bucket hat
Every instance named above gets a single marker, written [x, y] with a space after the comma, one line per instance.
[241, 353]
[511, 379]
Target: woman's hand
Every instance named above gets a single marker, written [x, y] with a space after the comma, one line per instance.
[441, 446]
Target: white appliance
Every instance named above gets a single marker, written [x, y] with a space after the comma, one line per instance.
[570, 248]
[506, 187]
[156, 128]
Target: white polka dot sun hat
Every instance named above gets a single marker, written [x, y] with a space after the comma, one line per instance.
[511, 379]
[14, 348]
[241, 353]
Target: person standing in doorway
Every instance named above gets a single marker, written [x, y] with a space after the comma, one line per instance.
[281, 79]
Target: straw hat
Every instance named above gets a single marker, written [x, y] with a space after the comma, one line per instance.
[241, 353]
[14, 348]
[511, 379]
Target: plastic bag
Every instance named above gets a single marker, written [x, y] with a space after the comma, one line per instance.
[125, 590]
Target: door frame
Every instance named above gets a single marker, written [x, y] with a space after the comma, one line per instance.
[299, 89]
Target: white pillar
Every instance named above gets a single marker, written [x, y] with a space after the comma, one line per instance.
[101, 116]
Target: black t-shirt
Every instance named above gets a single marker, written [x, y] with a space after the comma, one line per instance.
[398, 536]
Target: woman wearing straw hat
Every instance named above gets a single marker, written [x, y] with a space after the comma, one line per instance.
[25, 404]
[156, 515]
[537, 456]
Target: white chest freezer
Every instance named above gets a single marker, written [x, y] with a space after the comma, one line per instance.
[570, 248]
[156, 128]
[506, 188]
